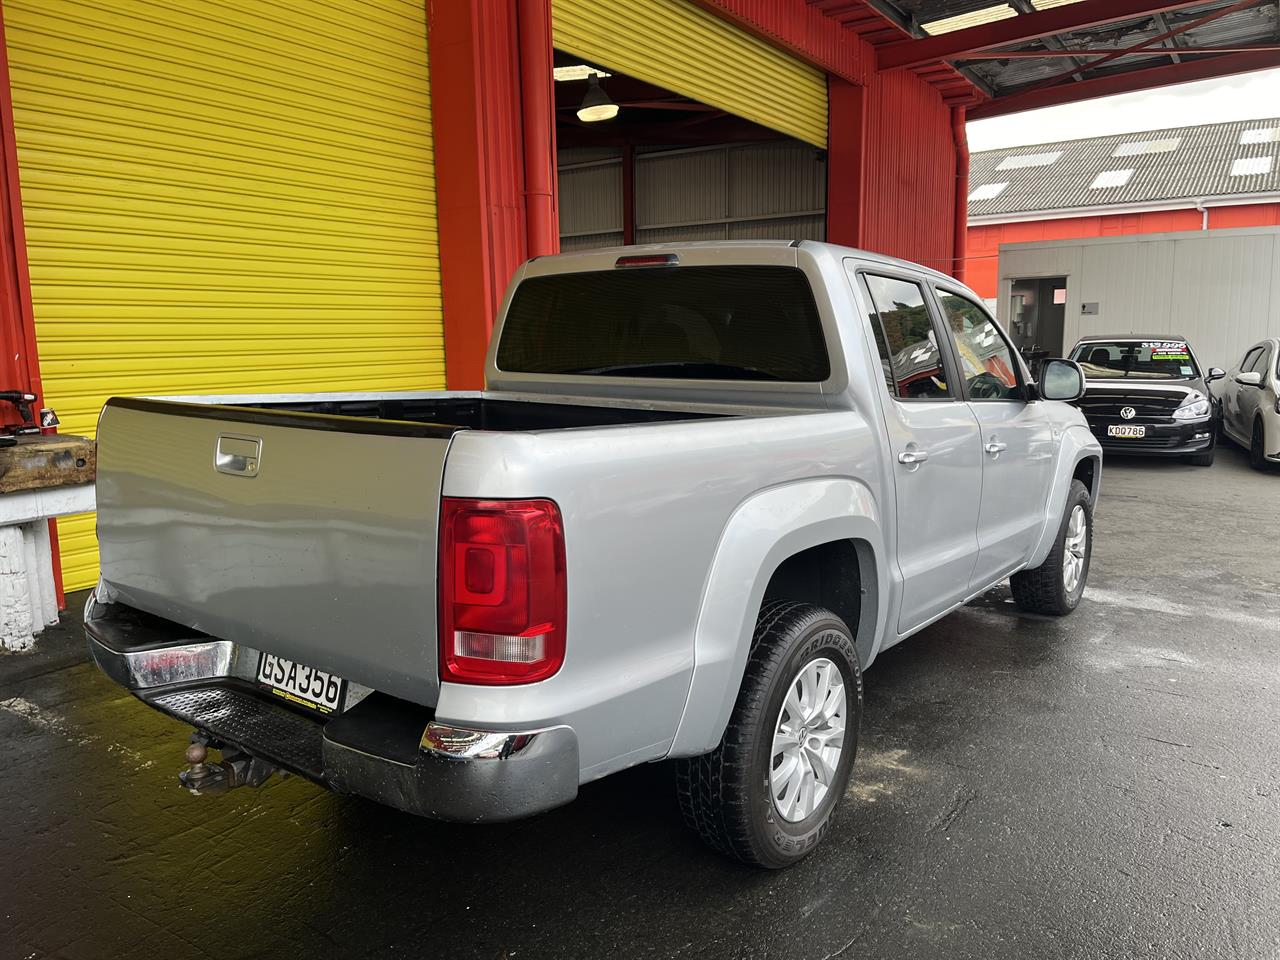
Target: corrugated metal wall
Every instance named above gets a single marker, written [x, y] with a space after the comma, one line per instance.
[224, 197]
[1220, 289]
[685, 49]
[982, 268]
[730, 192]
[910, 160]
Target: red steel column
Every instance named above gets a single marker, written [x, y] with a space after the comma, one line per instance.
[846, 162]
[960, 248]
[539, 111]
[19, 364]
[628, 194]
[479, 168]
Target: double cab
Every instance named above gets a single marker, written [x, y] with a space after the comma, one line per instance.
[706, 485]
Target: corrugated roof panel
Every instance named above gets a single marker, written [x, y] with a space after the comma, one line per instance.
[1199, 167]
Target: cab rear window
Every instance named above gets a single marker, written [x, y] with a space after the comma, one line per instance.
[689, 323]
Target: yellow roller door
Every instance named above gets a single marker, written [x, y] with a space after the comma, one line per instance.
[676, 45]
[224, 196]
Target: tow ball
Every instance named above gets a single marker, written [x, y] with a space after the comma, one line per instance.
[204, 777]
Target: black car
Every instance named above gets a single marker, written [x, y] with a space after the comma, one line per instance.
[1148, 396]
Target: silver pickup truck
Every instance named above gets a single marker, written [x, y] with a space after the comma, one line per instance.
[707, 485]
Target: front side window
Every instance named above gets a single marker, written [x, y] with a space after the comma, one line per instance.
[914, 356]
[1263, 363]
[1136, 360]
[986, 360]
[1250, 358]
[748, 322]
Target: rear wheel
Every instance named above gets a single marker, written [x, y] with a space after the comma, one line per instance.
[1056, 586]
[766, 794]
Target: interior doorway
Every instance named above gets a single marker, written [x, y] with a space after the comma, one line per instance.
[1038, 312]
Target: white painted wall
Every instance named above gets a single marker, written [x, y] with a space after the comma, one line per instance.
[1220, 289]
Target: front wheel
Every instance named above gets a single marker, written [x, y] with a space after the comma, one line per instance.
[1257, 446]
[765, 795]
[1056, 586]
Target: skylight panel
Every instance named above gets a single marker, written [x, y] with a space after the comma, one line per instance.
[1050, 4]
[975, 18]
[1111, 178]
[1024, 160]
[1251, 166]
[988, 191]
[1260, 135]
[1137, 148]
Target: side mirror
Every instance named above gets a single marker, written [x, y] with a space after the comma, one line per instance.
[1061, 380]
[1251, 379]
[1215, 373]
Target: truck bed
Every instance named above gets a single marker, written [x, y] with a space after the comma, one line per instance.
[305, 527]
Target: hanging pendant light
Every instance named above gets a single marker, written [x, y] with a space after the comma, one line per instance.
[596, 105]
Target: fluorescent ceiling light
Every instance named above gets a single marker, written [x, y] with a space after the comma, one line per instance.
[578, 71]
[975, 18]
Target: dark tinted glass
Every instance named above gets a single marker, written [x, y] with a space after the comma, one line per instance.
[693, 323]
[987, 360]
[913, 347]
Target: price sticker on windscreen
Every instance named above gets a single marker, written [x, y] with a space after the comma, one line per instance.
[1174, 350]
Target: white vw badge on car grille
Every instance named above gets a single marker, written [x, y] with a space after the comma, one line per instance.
[1127, 413]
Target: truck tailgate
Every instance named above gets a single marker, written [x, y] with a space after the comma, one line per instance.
[304, 535]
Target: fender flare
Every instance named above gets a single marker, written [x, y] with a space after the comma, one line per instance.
[762, 532]
[1077, 444]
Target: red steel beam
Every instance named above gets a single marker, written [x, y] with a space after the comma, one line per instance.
[1020, 29]
[1102, 51]
[1128, 82]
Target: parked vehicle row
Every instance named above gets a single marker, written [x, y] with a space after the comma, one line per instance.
[707, 485]
[1149, 396]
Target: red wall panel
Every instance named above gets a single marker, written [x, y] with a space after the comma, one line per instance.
[910, 159]
[982, 264]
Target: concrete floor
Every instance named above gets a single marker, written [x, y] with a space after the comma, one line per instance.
[1107, 785]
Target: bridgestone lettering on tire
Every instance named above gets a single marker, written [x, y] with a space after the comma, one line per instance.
[1051, 588]
[727, 795]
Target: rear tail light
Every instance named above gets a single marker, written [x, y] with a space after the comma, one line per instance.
[502, 590]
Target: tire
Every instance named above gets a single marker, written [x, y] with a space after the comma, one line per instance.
[727, 796]
[1257, 447]
[1045, 589]
[1202, 459]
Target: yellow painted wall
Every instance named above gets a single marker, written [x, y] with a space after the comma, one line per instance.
[222, 197]
[673, 44]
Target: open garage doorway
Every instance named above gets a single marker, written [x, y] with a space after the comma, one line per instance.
[669, 168]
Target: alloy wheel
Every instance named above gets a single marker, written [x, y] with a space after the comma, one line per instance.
[1074, 548]
[808, 740]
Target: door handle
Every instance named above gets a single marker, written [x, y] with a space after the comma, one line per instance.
[995, 448]
[913, 457]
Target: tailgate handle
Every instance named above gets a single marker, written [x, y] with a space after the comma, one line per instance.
[238, 456]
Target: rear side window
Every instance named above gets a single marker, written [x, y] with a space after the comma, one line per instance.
[914, 356]
[691, 323]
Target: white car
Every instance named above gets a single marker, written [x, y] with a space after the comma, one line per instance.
[1250, 396]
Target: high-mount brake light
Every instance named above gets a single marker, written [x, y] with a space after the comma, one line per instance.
[502, 590]
[648, 260]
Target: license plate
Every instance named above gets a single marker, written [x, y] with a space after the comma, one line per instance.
[301, 685]
[1126, 431]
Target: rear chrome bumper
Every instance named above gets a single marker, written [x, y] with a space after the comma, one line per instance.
[379, 747]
